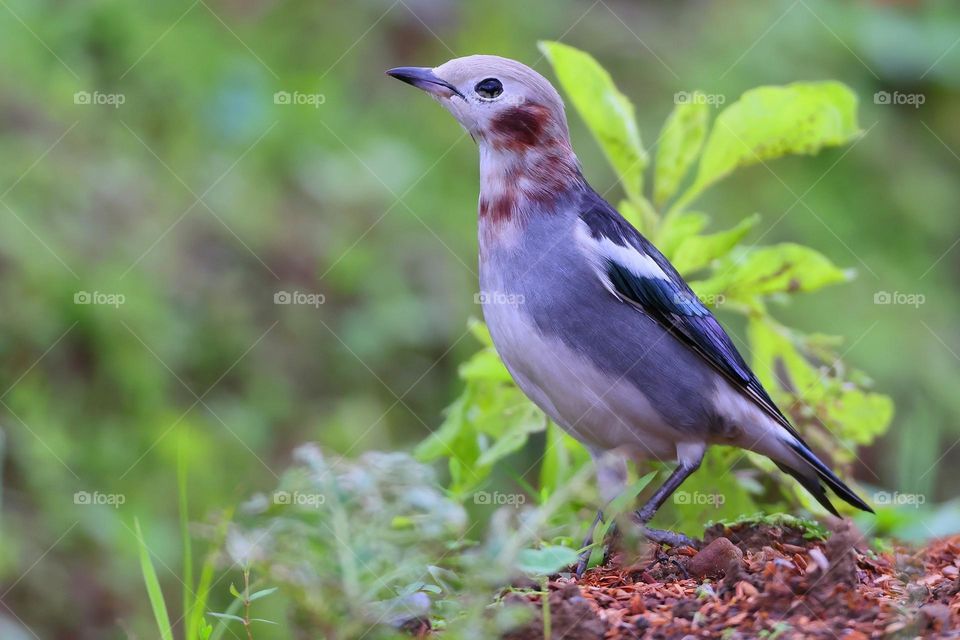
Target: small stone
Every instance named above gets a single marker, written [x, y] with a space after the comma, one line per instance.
[717, 557]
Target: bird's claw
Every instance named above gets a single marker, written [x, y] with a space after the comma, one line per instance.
[582, 562]
[671, 538]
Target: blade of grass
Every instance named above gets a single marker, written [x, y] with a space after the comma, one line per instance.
[199, 607]
[190, 633]
[153, 587]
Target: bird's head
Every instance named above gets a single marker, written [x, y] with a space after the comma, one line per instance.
[502, 103]
[517, 119]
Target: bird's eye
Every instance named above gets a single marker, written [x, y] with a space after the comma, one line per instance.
[489, 88]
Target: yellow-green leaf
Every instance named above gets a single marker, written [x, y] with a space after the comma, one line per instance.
[779, 268]
[779, 365]
[770, 122]
[675, 229]
[485, 365]
[680, 141]
[697, 251]
[862, 415]
[607, 112]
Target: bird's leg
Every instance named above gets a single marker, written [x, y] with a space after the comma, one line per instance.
[588, 542]
[611, 469]
[645, 514]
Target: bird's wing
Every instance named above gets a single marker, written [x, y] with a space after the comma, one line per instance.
[636, 272]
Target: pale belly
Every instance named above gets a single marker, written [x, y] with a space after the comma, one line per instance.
[597, 408]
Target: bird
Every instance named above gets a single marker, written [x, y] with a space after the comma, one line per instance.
[592, 321]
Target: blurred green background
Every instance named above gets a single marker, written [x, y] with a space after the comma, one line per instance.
[157, 195]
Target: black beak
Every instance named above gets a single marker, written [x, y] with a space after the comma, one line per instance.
[424, 78]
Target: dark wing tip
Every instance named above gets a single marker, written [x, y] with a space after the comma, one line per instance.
[829, 478]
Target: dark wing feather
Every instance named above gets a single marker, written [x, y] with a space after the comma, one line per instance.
[673, 304]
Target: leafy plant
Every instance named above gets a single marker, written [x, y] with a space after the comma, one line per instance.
[367, 547]
[830, 403]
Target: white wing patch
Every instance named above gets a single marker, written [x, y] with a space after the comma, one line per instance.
[603, 249]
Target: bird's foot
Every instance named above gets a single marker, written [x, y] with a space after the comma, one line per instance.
[588, 544]
[672, 538]
[583, 561]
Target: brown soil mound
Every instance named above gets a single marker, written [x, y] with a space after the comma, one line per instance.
[761, 582]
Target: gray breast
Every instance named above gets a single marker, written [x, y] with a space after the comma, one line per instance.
[652, 386]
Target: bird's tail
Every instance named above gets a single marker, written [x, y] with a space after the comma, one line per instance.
[821, 474]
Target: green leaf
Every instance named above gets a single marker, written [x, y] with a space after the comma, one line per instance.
[770, 122]
[224, 618]
[778, 363]
[785, 267]
[677, 228]
[607, 112]
[850, 413]
[618, 506]
[443, 441]
[513, 438]
[680, 142]
[864, 415]
[153, 587]
[562, 456]
[547, 560]
[696, 251]
[227, 616]
[479, 331]
[485, 365]
[263, 593]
